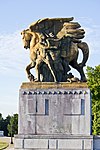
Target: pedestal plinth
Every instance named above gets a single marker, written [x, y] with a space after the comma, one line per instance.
[54, 116]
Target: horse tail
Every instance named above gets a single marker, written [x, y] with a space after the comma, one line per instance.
[85, 50]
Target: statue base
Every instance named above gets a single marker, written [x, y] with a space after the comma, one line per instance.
[54, 116]
[53, 142]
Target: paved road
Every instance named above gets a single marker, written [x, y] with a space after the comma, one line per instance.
[7, 139]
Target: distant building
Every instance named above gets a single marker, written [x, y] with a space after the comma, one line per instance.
[1, 133]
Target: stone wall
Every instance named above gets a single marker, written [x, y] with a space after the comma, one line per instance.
[55, 111]
[53, 142]
[54, 116]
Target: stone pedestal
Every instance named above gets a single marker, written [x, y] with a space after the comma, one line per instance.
[54, 116]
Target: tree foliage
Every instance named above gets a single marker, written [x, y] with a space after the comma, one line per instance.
[13, 125]
[7, 123]
[1, 121]
[93, 75]
[4, 123]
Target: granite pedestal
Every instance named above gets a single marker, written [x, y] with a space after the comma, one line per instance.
[54, 116]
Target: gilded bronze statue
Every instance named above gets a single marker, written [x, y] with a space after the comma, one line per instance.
[54, 46]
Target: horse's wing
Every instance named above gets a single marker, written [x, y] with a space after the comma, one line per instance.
[49, 26]
[71, 29]
[58, 28]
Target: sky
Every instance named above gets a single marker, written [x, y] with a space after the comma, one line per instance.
[17, 15]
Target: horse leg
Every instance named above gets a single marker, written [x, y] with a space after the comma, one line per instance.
[79, 68]
[30, 76]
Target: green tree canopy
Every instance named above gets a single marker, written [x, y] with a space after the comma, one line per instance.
[93, 75]
[1, 122]
[4, 123]
[13, 125]
[0, 116]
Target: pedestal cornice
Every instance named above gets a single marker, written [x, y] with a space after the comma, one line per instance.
[46, 85]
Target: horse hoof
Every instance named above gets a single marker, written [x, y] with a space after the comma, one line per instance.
[31, 77]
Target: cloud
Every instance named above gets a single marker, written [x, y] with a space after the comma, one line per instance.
[13, 56]
[93, 39]
[92, 36]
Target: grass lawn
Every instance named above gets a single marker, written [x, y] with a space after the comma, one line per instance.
[3, 145]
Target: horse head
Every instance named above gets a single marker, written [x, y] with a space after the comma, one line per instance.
[26, 38]
[30, 39]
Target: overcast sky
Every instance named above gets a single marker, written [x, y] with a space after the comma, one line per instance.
[17, 15]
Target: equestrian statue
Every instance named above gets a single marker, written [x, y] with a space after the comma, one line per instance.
[54, 47]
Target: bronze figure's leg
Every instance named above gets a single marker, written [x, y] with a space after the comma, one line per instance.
[37, 67]
[52, 71]
[50, 66]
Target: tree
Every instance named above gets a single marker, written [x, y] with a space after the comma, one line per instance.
[1, 122]
[13, 125]
[0, 116]
[6, 122]
[9, 125]
[93, 75]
